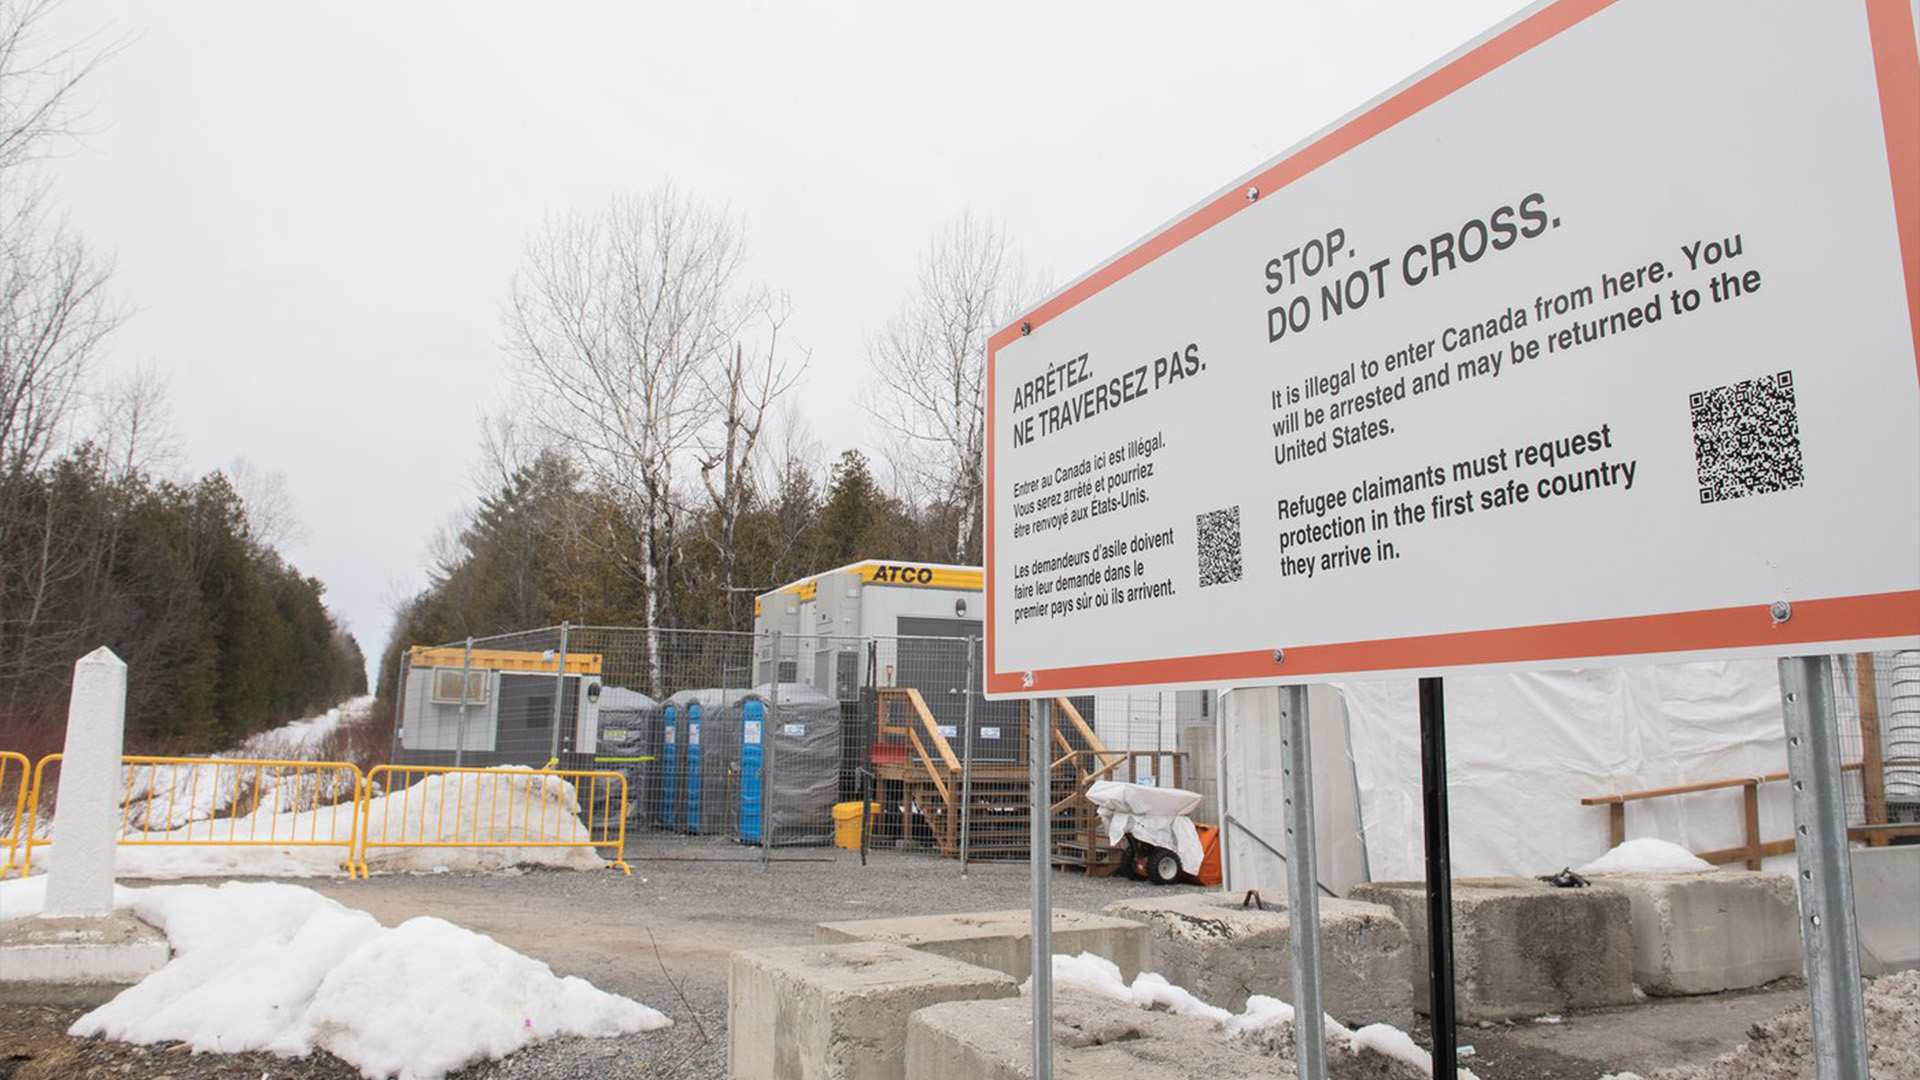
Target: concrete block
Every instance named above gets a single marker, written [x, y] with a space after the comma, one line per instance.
[1886, 904]
[837, 1012]
[69, 960]
[1222, 952]
[1701, 933]
[1094, 1038]
[1002, 940]
[1520, 947]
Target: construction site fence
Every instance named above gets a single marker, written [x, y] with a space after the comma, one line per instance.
[755, 739]
[434, 807]
[16, 773]
[194, 803]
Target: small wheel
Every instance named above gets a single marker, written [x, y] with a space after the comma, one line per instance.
[1163, 867]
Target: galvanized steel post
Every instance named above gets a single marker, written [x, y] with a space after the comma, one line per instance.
[466, 676]
[769, 738]
[1826, 874]
[559, 694]
[1303, 885]
[1220, 755]
[966, 757]
[1040, 863]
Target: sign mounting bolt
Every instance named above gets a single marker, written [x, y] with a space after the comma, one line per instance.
[1781, 611]
[1253, 193]
[1279, 656]
[1026, 328]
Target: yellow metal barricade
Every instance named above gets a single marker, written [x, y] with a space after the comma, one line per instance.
[434, 807]
[226, 802]
[15, 785]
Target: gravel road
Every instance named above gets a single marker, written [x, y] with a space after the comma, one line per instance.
[661, 936]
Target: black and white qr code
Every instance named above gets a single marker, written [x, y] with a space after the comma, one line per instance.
[1219, 532]
[1746, 438]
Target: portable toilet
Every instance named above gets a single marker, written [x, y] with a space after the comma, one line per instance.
[690, 820]
[629, 745]
[669, 765]
[753, 727]
[789, 765]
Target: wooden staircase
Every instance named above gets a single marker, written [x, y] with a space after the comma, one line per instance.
[993, 807]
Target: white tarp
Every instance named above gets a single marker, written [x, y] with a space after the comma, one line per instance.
[1155, 815]
[1523, 749]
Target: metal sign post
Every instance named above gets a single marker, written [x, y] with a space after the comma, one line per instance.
[559, 694]
[466, 678]
[1433, 796]
[1826, 874]
[966, 753]
[1303, 893]
[769, 740]
[1040, 863]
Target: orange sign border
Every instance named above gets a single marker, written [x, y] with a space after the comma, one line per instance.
[1842, 618]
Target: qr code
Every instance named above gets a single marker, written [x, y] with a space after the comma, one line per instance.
[1746, 438]
[1219, 546]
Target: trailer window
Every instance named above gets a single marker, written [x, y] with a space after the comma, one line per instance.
[446, 687]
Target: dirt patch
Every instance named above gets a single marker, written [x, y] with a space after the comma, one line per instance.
[34, 1045]
[1782, 1048]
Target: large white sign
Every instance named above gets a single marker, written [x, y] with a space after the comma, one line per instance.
[1595, 341]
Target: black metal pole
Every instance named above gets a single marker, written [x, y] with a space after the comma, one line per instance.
[1433, 800]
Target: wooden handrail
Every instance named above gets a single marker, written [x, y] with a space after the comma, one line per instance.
[1063, 705]
[1751, 852]
[1689, 789]
[918, 705]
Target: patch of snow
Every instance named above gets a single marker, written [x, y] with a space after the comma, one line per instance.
[280, 968]
[1261, 1012]
[1266, 1022]
[1550, 1018]
[299, 739]
[1094, 974]
[1647, 855]
[22, 897]
[1153, 991]
[1392, 1042]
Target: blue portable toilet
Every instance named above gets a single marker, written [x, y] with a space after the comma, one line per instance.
[670, 764]
[693, 767]
[753, 724]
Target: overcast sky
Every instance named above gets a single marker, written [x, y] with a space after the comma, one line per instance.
[317, 209]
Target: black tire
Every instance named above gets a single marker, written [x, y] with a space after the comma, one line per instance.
[1163, 867]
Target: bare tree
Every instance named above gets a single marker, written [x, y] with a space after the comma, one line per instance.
[270, 515]
[741, 392]
[54, 306]
[930, 368]
[133, 424]
[621, 325]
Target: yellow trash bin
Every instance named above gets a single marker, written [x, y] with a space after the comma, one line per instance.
[847, 824]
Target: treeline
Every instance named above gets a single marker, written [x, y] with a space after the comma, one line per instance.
[221, 637]
[546, 547]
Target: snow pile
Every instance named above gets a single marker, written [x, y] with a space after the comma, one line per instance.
[283, 969]
[511, 809]
[1647, 855]
[302, 740]
[162, 798]
[1375, 1051]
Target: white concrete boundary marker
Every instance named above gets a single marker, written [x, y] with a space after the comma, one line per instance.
[80, 881]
